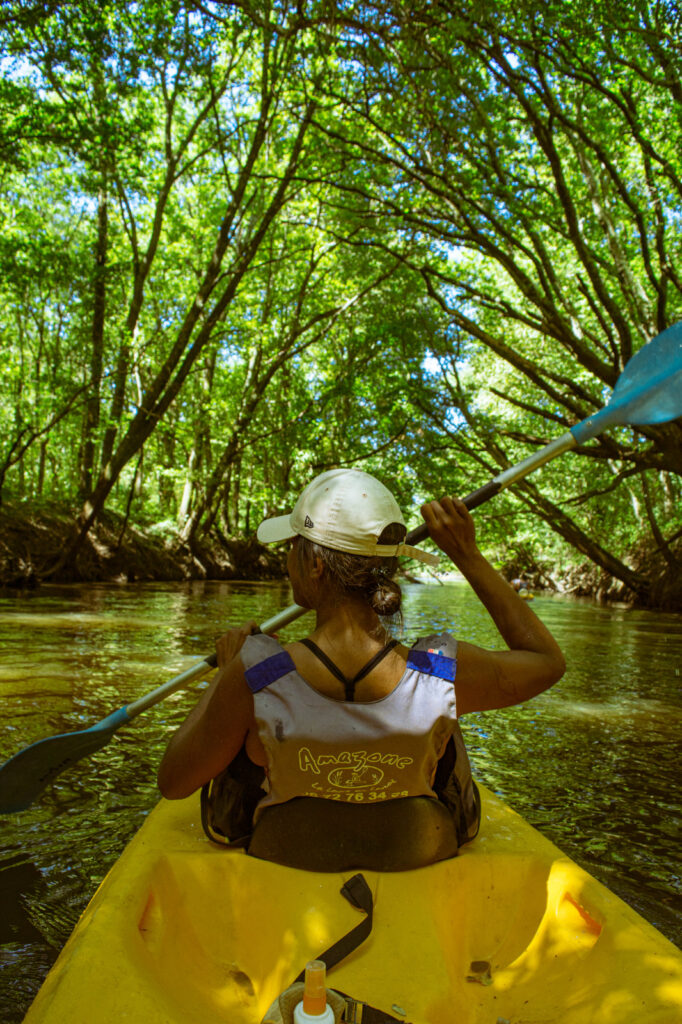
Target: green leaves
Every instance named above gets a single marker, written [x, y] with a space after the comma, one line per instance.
[254, 242]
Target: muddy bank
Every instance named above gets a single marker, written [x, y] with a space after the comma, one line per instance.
[32, 540]
[585, 579]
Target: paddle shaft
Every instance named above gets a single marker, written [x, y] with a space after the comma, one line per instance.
[505, 479]
[278, 621]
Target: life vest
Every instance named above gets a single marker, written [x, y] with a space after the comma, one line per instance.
[408, 744]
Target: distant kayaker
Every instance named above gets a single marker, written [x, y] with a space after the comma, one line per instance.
[522, 589]
[344, 750]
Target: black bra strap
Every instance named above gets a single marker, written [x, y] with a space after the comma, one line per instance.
[312, 646]
[348, 684]
[379, 656]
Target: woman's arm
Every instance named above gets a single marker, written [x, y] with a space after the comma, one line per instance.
[493, 679]
[213, 732]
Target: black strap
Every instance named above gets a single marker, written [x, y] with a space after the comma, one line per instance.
[348, 684]
[359, 894]
[357, 1012]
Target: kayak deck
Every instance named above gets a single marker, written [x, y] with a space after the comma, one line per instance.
[510, 931]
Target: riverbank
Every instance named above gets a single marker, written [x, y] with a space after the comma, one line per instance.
[586, 581]
[31, 540]
[117, 551]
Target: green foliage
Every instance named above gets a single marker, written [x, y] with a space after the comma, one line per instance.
[243, 243]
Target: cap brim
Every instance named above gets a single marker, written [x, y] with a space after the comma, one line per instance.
[273, 530]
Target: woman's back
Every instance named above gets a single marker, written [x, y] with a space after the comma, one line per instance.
[316, 744]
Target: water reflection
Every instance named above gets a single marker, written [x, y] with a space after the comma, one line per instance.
[594, 762]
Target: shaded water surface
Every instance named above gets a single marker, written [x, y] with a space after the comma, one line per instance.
[593, 763]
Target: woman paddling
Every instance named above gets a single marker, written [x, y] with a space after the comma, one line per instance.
[353, 737]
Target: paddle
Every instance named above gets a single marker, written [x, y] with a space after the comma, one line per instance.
[648, 391]
[25, 776]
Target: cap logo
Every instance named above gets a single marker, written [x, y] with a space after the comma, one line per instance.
[309, 524]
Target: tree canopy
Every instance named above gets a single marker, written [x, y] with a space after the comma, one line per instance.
[247, 241]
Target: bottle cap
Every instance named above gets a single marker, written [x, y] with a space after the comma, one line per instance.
[315, 992]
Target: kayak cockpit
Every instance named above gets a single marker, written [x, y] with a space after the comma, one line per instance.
[512, 930]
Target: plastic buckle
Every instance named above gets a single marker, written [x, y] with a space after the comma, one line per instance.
[353, 1012]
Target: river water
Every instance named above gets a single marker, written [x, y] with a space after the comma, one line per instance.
[594, 763]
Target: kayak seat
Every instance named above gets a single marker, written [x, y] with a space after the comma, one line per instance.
[326, 835]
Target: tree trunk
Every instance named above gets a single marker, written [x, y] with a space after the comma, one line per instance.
[186, 500]
[562, 524]
[92, 408]
[171, 376]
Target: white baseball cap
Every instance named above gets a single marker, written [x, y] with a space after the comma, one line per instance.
[346, 510]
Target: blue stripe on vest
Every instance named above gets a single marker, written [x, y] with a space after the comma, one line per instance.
[269, 671]
[433, 664]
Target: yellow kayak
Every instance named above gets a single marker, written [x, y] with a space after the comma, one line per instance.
[509, 932]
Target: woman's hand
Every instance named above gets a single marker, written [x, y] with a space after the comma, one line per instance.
[230, 643]
[452, 528]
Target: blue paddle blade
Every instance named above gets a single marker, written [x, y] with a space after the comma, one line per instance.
[649, 390]
[25, 776]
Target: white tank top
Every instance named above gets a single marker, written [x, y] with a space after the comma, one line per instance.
[355, 752]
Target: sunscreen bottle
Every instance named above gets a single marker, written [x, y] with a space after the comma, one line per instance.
[314, 1009]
